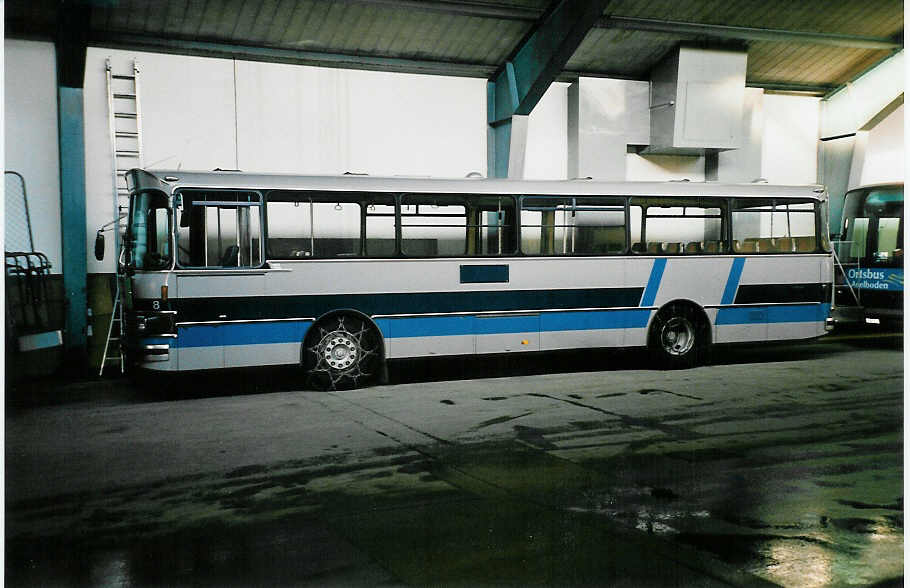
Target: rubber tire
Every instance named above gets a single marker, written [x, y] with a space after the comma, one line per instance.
[365, 367]
[674, 313]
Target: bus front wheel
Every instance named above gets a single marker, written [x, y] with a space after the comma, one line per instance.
[678, 337]
[342, 352]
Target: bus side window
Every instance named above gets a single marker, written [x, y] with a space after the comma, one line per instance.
[572, 225]
[491, 226]
[766, 225]
[219, 229]
[304, 225]
[433, 225]
[379, 223]
[664, 225]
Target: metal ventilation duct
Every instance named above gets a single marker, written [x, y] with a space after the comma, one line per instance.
[697, 101]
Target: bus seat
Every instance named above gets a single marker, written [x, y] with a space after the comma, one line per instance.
[750, 245]
[693, 247]
[714, 246]
[764, 245]
[673, 248]
[784, 244]
[654, 247]
[805, 244]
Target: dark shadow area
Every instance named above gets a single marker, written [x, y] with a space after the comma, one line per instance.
[147, 386]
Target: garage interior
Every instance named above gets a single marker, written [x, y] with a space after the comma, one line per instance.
[619, 90]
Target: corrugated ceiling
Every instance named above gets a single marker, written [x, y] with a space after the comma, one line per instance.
[476, 37]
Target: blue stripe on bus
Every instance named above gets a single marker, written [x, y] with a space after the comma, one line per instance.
[736, 272]
[428, 326]
[440, 326]
[506, 324]
[583, 321]
[258, 333]
[744, 315]
[155, 340]
[657, 272]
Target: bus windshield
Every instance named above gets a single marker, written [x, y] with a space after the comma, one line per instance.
[148, 237]
[873, 227]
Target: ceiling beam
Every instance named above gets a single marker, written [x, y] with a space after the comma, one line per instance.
[292, 56]
[475, 9]
[746, 33]
[541, 56]
[520, 82]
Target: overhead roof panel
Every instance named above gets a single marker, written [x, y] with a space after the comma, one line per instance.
[869, 17]
[621, 53]
[812, 64]
[475, 37]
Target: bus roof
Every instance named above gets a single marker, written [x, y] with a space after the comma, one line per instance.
[170, 180]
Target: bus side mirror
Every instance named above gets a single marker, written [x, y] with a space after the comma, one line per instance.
[99, 246]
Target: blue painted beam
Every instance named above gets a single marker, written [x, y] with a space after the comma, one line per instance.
[543, 55]
[72, 209]
[72, 30]
[517, 86]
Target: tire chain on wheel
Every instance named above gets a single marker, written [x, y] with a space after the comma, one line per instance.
[326, 377]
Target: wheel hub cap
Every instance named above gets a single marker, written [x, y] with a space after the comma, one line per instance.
[678, 336]
[340, 351]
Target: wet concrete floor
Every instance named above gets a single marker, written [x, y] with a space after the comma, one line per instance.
[776, 465]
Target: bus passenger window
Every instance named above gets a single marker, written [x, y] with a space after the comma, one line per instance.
[219, 229]
[304, 225]
[491, 225]
[380, 226]
[433, 225]
[572, 225]
[765, 225]
[677, 226]
[337, 229]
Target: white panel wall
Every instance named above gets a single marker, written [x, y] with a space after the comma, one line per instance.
[790, 139]
[885, 157]
[30, 137]
[328, 121]
[545, 157]
[202, 113]
[188, 122]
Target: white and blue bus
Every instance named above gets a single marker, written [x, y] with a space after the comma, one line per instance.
[339, 274]
[870, 286]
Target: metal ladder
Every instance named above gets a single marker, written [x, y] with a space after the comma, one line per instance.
[125, 130]
[114, 352]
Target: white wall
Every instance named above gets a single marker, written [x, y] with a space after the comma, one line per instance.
[885, 157]
[30, 137]
[202, 113]
[790, 139]
[545, 156]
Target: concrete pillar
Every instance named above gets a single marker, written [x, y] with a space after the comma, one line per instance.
[605, 117]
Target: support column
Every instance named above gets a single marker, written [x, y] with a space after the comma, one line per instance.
[518, 85]
[71, 41]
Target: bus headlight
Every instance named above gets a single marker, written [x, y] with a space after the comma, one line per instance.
[156, 324]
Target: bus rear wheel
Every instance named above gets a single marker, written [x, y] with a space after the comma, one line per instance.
[342, 352]
[678, 337]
